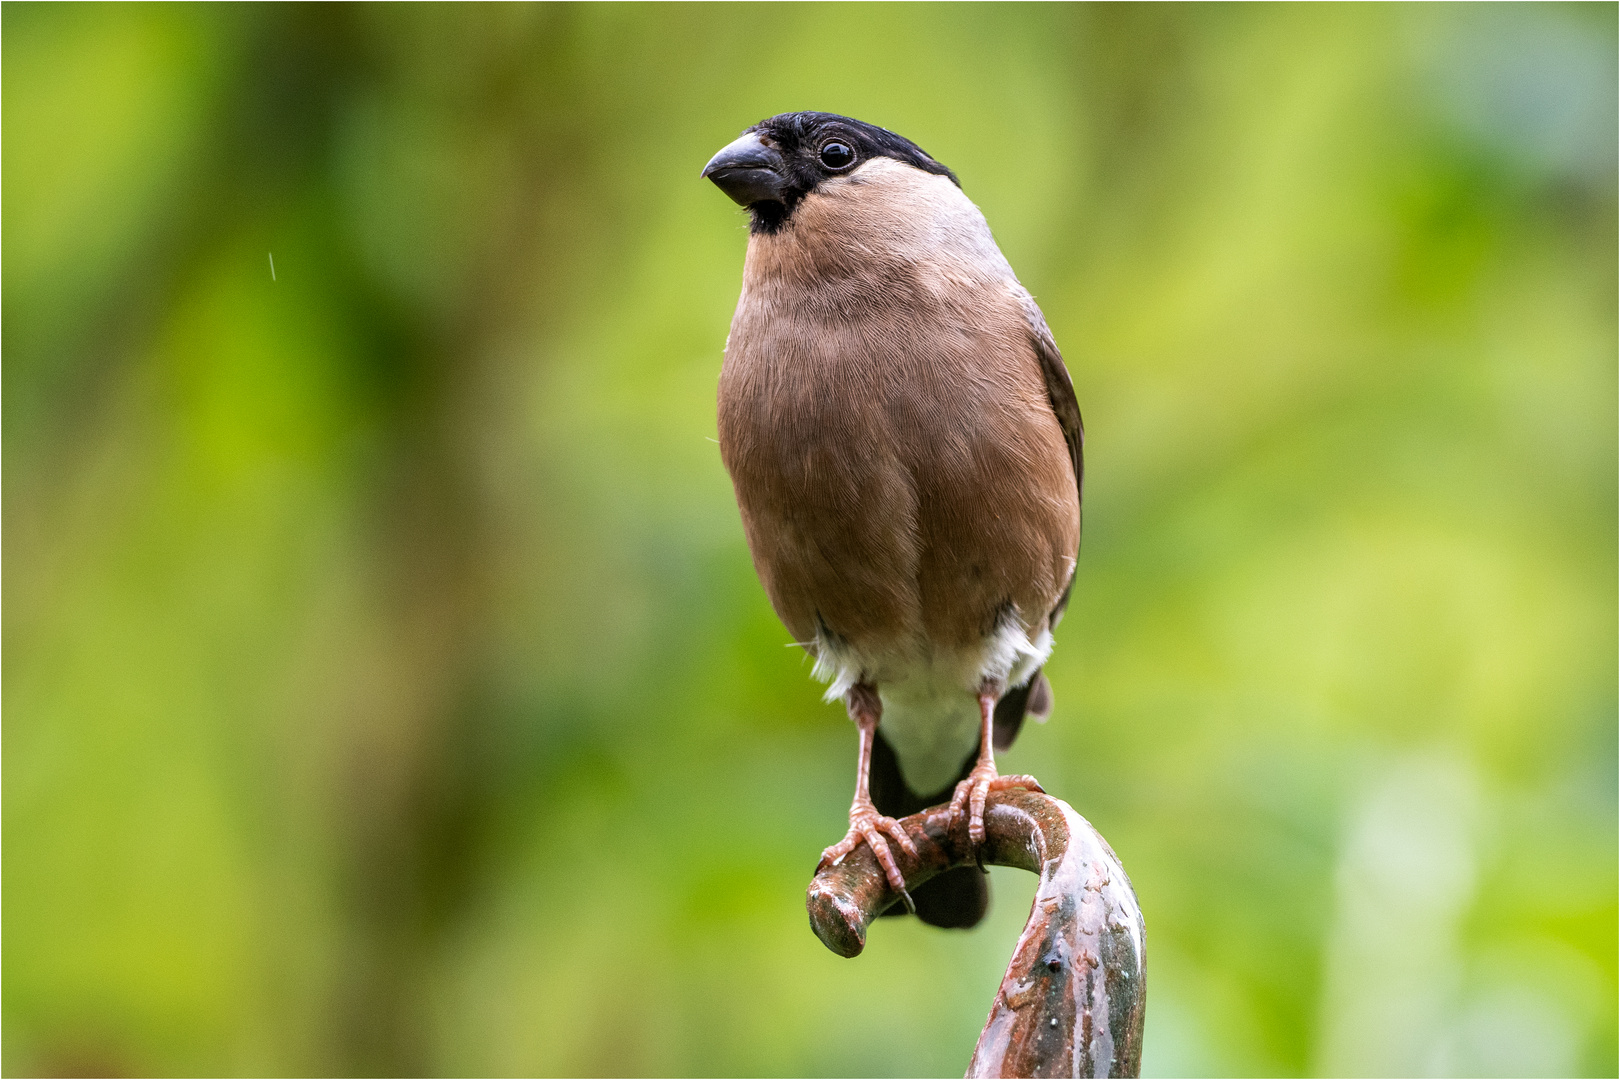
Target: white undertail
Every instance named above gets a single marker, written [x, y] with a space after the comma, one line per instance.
[930, 697]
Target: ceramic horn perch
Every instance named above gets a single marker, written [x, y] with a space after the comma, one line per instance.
[1071, 1003]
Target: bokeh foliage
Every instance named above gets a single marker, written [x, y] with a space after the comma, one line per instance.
[387, 688]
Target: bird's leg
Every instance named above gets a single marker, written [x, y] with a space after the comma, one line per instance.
[984, 779]
[866, 825]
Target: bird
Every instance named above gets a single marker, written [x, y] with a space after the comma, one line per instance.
[905, 448]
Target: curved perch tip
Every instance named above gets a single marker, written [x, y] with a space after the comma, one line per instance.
[1072, 1000]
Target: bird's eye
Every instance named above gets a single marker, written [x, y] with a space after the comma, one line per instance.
[836, 155]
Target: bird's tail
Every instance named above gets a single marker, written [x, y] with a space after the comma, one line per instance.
[1034, 699]
[956, 899]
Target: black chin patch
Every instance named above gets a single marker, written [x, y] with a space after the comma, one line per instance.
[768, 217]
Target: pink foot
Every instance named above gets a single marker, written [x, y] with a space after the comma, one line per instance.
[977, 788]
[867, 826]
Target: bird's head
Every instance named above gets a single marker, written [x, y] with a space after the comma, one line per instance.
[779, 161]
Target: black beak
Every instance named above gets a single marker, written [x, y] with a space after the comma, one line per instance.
[748, 170]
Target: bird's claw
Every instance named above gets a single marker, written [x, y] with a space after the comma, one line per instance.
[971, 794]
[867, 826]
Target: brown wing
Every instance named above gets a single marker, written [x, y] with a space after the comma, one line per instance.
[1060, 391]
[1010, 710]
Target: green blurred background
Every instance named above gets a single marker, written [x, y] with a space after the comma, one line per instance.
[387, 686]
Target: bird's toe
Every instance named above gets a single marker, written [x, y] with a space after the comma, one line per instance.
[868, 827]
